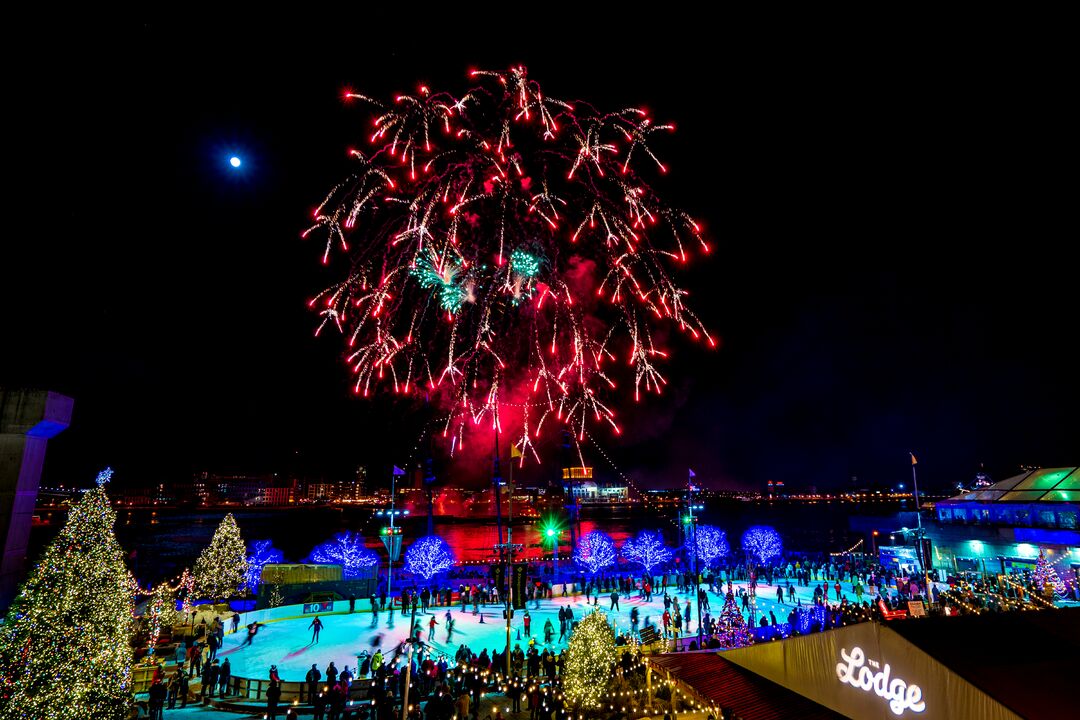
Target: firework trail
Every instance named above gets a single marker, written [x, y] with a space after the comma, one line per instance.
[505, 245]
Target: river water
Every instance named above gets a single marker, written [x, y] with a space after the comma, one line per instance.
[167, 540]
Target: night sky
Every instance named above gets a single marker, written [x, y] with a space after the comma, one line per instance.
[890, 217]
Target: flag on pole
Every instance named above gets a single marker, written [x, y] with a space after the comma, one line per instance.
[913, 460]
[398, 471]
[692, 474]
[514, 452]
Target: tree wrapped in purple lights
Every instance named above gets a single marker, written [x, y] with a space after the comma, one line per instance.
[646, 549]
[348, 551]
[762, 543]
[260, 553]
[709, 543]
[732, 631]
[429, 556]
[1046, 575]
[595, 551]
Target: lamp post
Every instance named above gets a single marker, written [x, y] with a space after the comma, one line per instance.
[554, 535]
[921, 546]
[693, 556]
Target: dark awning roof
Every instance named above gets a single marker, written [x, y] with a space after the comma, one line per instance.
[727, 685]
[1027, 661]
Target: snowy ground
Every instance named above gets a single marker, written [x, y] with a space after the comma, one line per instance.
[287, 643]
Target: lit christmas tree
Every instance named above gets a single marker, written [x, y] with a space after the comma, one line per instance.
[64, 649]
[220, 570]
[260, 553]
[732, 630]
[429, 556]
[762, 543]
[646, 549]
[595, 551]
[1046, 575]
[589, 657]
[160, 612]
[348, 551]
[709, 543]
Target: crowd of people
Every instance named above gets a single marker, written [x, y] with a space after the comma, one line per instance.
[440, 687]
[843, 589]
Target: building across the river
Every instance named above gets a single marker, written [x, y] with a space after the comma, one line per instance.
[579, 484]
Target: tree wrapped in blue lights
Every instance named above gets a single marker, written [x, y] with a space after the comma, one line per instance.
[646, 549]
[595, 551]
[260, 553]
[709, 543]
[762, 543]
[348, 551]
[429, 556]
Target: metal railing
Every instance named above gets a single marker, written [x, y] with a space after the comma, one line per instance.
[241, 688]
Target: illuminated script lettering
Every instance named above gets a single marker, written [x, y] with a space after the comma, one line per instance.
[855, 672]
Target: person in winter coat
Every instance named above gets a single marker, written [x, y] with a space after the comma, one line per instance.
[318, 704]
[174, 689]
[224, 674]
[517, 660]
[316, 626]
[331, 674]
[158, 691]
[273, 695]
[209, 679]
[182, 688]
[313, 677]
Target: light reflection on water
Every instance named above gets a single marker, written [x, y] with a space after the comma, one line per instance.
[171, 539]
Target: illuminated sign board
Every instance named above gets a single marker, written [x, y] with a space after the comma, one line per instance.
[872, 676]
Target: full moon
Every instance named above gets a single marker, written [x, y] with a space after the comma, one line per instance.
[234, 161]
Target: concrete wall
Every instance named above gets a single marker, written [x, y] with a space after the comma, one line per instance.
[28, 419]
[294, 593]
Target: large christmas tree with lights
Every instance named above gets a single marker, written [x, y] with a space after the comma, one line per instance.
[589, 658]
[1046, 575]
[732, 631]
[221, 569]
[65, 647]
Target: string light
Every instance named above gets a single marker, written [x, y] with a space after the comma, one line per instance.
[763, 543]
[64, 648]
[348, 551]
[589, 657]
[595, 551]
[429, 556]
[850, 550]
[260, 554]
[222, 566]
[709, 542]
[647, 549]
